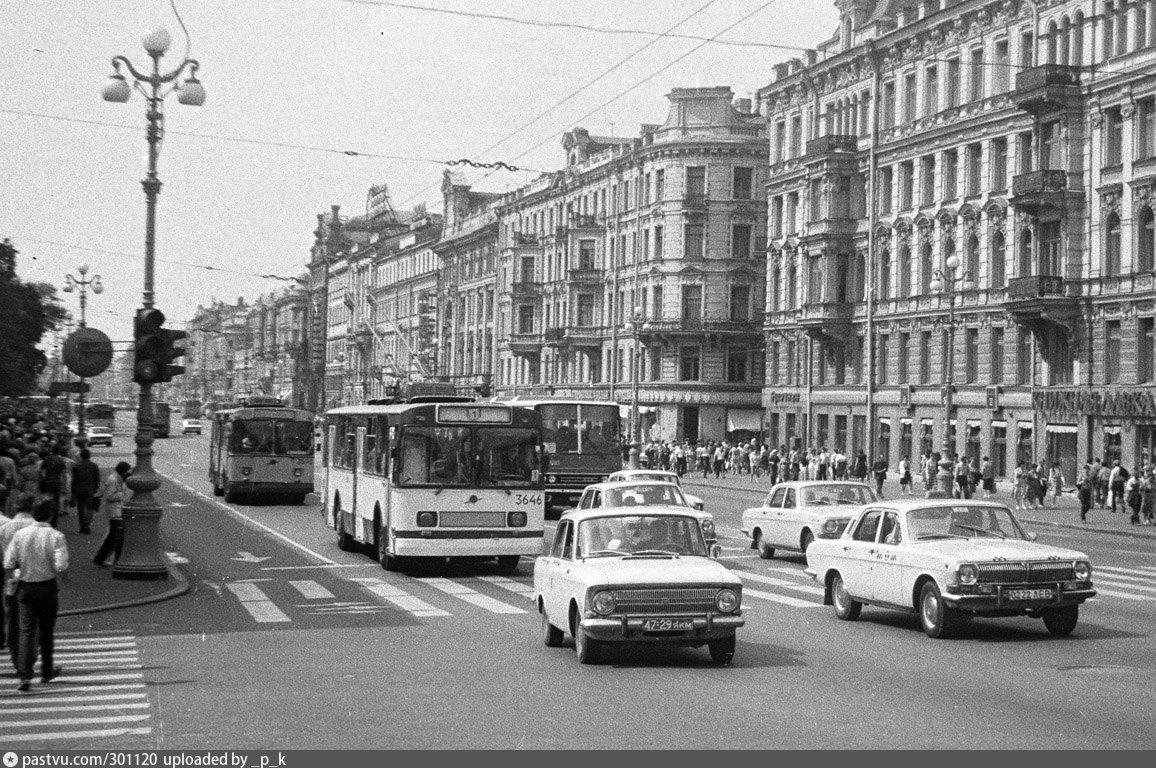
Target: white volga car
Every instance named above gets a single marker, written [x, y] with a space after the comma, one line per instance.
[646, 493]
[949, 560]
[658, 475]
[795, 513]
[631, 575]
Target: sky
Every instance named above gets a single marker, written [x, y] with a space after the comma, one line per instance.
[293, 87]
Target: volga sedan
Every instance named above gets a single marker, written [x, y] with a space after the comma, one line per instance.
[659, 476]
[795, 513]
[630, 575]
[949, 560]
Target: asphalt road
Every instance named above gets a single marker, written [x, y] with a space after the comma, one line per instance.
[285, 642]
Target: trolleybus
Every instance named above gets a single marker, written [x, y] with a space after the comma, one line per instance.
[434, 480]
[162, 418]
[98, 414]
[581, 445]
[261, 450]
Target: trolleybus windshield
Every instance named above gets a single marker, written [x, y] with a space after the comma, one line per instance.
[468, 456]
[279, 437]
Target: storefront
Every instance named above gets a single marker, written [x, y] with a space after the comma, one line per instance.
[1062, 441]
[1083, 423]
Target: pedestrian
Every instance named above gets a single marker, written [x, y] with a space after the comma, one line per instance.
[1085, 493]
[904, 476]
[861, 465]
[824, 463]
[962, 490]
[1148, 497]
[40, 553]
[1035, 486]
[113, 492]
[1020, 479]
[1132, 491]
[1116, 481]
[9, 611]
[1104, 485]
[1056, 484]
[880, 471]
[720, 457]
[840, 461]
[773, 461]
[52, 470]
[9, 477]
[86, 489]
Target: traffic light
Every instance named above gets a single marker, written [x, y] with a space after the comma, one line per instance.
[155, 348]
[170, 353]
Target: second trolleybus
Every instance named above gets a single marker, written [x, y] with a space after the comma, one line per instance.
[261, 450]
[434, 480]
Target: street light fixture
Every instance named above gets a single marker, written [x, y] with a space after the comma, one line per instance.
[947, 283]
[635, 425]
[141, 556]
[71, 284]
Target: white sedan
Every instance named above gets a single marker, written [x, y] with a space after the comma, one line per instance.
[796, 513]
[646, 493]
[658, 475]
[630, 575]
[949, 560]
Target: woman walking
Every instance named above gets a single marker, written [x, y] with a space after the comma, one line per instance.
[1056, 482]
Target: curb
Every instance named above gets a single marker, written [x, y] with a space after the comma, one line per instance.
[181, 587]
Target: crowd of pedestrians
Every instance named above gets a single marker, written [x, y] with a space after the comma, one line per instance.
[1108, 485]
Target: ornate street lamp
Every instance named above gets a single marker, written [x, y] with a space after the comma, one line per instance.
[635, 425]
[141, 556]
[71, 284]
[946, 282]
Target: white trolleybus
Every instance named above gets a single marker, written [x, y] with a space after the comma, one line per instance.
[434, 480]
[261, 449]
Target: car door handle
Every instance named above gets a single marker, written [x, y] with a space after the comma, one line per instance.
[846, 549]
[872, 551]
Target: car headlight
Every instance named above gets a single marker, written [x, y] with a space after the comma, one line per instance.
[604, 603]
[726, 600]
[708, 527]
[1083, 570]
[832, 527]
[968, 574]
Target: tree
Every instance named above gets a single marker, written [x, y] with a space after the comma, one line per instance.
[27, 312]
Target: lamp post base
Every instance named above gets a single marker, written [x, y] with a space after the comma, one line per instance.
[142, 556]
[944, 480]
[632, 461]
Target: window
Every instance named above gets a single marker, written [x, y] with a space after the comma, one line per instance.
[691, 302]
[796, 135]
[999, 165]
[997, 352]
[927, 180]
[910, 95]
[887, 107]
[930, 91]
[998, 261]
[585, 310]
[1051, 233]
[926, 267]
[1023, 356]
[1112, 352]
[792, 212]
[658, 242]
[790, 364]
[696, 183]
[971, 258]
[1024, 145]
[694, 241]
[971, 355]
[886, 188]
[1027, 46]
[688, 364]
[952, 84]
[904, 271]
[975, 75]
[1146, 231]
[780, 141]
[974, 169]
[740, 302]
[816, 197]
[882, 358]
[1146, 354]
[659, 185]
[1145, 129]
[867, 527]
[950, 174]
[526, 318]
[741, 186]
[1113, 136]
[999, 449]
[776, 217]
[925, 357]
[741, 241]
[656, 302]
[1001, 67]
[774, 366]
[884, 274]
[901, 358]
[586, 254]
[906, 185]
[1112, 245]
[792, 287]
[1051, 149]
[736, 366]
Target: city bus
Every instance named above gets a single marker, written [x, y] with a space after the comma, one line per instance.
[581, 445]
[261, 451]
[98, 414]
[425, 480]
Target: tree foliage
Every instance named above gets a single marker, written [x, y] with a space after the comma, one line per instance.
[27, 312]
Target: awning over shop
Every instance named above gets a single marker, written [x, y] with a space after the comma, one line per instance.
[973, 422]
[926, 421]
[1069, 429]
[905, 421]
[744, 418]
[1112, 429]
[1024, 424]
[1000, 423]
[885, 420]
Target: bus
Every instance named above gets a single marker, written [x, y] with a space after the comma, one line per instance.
[581, 444]
[98, 414]
[261, 451]
[192, 409]
[162, 415]
[416, 480]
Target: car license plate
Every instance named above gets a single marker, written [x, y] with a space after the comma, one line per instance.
[667, 625]
[1029, 594]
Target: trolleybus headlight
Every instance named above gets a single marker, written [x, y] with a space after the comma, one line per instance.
[427, 519]
[516, 519]
[968, 574]
[1083, 570]
[246, 471]
[551, 478]
[726, 600]
[604, 603]
[297, 472]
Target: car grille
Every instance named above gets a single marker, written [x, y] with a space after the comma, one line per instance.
[1025, 573]
[665, 600]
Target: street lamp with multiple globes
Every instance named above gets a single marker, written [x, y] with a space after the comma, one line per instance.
[71, 284]
[635, 425]
[141, 556]
[946, 282]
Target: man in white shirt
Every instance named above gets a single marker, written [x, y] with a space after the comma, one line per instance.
[41, 553]
[9, 610]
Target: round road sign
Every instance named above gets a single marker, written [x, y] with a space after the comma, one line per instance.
[87, 352]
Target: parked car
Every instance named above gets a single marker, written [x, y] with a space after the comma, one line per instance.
[190, 426]
[949, 560]
[99, 436]
[635, 575]
[658, 475]
[795, 513]
[646, 493]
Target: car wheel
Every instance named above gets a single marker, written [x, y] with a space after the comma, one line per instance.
[551, 635]
[508, 563]
[231, 495]
[806, 540]
[937, 619]
[722, 650]
[218, 490]
[344, 541]
[589, 650]
[846, 607]
[1061, 621]
[766, 551]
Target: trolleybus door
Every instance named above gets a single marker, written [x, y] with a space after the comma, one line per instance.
[359, 527]
[326, 454]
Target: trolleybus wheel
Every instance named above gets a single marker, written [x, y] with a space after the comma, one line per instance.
[217, 489]
[345, 542]
[508, 562]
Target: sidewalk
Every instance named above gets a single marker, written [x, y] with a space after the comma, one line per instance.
[1066, 513]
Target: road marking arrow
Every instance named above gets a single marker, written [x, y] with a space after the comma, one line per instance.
[177, 557]
[177, 504]
[249, 557]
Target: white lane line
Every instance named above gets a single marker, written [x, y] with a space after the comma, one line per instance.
[259, 606]
[1115, 581]
[95, 642]
[89, 658]
[81, 688]
[517, 587]
[80, 679]
[791, 601]
[311, 590]
[74, 721]
[88, 707]
[400, 598]
[101, 734]
[1119, 573]
[93, 633]
[472, 596]
[811, 590]
[1122, 595]
[110, 697]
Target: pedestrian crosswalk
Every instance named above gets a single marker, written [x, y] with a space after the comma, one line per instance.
[272, 601]
[101, 695]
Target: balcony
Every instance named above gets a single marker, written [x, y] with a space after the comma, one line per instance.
[526, 289]
[555, 337]
[827, 320]
[833, 144]
[524, 238]
[585, 335]
[1047, 88]
[1039, 190]
[586, 275]
[694, 201]
[1040, 301]
[713, 330]
[529, 344]
[586, 221]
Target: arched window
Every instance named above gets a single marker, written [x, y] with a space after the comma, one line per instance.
[1077, 57]
[904, 272]
[774, 289]
[1025, 253]
[1146, 250]
[1064, 52]
[998, 261]
[884, 274]
[925, 269]
[1112, 245]
[1052, 40]
[971, 258]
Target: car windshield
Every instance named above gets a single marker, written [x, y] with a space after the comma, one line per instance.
[837, 495]
[660, 477]
[644, 495]
[640, 534]
[963, 521]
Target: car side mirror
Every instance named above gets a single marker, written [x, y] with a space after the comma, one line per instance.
[1032, 536]
[715, 551]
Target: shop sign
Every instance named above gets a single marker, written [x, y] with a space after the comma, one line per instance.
[1088, 402]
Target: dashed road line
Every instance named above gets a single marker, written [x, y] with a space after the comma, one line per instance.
[462, 592]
